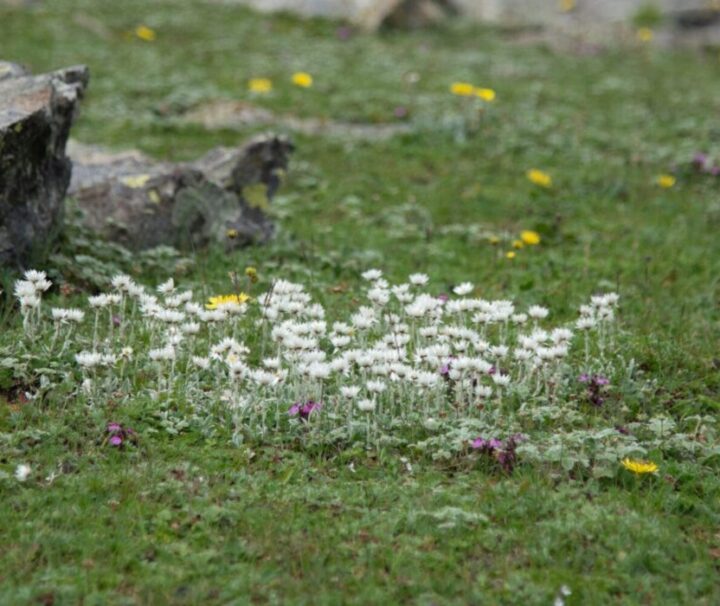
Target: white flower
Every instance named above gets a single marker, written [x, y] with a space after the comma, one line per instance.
[23, 288]
[349, 391]
[318, 370]
[123, 283]
[418, 279]
[538, 312]
[366, 405]
[190, 328]
[375, 386]
[519, 319]
[483, 391]
[501, 380]
[22, 472]
[166, 287]
[463, 289]
[32, 275]
[88, 359]
[372, 274]
[379, 296]
[585, 323]
[200, 362]
[161, 354]
[99, 301]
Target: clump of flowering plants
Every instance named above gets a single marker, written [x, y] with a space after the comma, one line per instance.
[408, 365]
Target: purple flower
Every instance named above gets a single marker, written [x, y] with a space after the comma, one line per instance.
[584, 378]
[400, 112]
[443, 298]
[600, 380]
[304, 409]
[479, 444]
[502, 451]
[344, 33]
[116, 320]
[119, 435]
[700, 161]
[715, 171]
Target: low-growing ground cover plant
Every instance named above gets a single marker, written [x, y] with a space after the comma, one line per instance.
[431, 372]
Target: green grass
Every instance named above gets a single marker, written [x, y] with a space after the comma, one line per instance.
[188, 520]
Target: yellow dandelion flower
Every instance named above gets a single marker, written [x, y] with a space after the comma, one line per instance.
[539, 177]
[232, 233]
[462, 89]
[486, 94]
[252, 274]
[145, 33]
[302, 79]
[645, 34]
[494, 240]
[260, 85]
[530, 237]
[639, 467]
[511, 254]
[135, 181]
[518, 244]
[220, 300]
[666, 181]
[567, 6]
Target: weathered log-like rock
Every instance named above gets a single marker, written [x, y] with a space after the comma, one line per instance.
[36, 113]
[141, 203]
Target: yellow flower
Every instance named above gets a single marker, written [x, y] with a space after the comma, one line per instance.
[462, 89]
[639, 467]
[494, 240]
[511, 254]
[518, 244]
[220, 300]
[252, 274]
[486, 94]
[645, 34]
[539, 177]
[666, 181]
[530, 237]
[232, 233]
[302, 79]
[145, 33]
[260, 85]
[567, 5]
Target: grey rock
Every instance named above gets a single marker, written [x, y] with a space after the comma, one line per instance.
[36, 113]
[140, 203]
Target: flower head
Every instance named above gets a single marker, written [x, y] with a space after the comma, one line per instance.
[666, 181]
[221, 300]
[462, 89]
[530, 237]
[303, 410]
[145, 33]
[486, 94]
[260, 85]
[645, 34]
[22, 472]
[302, 79]
[639, 467]
[539, 177]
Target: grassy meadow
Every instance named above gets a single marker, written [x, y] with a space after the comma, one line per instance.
[189, 511]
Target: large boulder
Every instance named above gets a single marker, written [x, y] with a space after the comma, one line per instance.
[36, 113]
[141, 203]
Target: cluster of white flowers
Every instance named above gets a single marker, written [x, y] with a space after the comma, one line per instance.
[405, 354]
